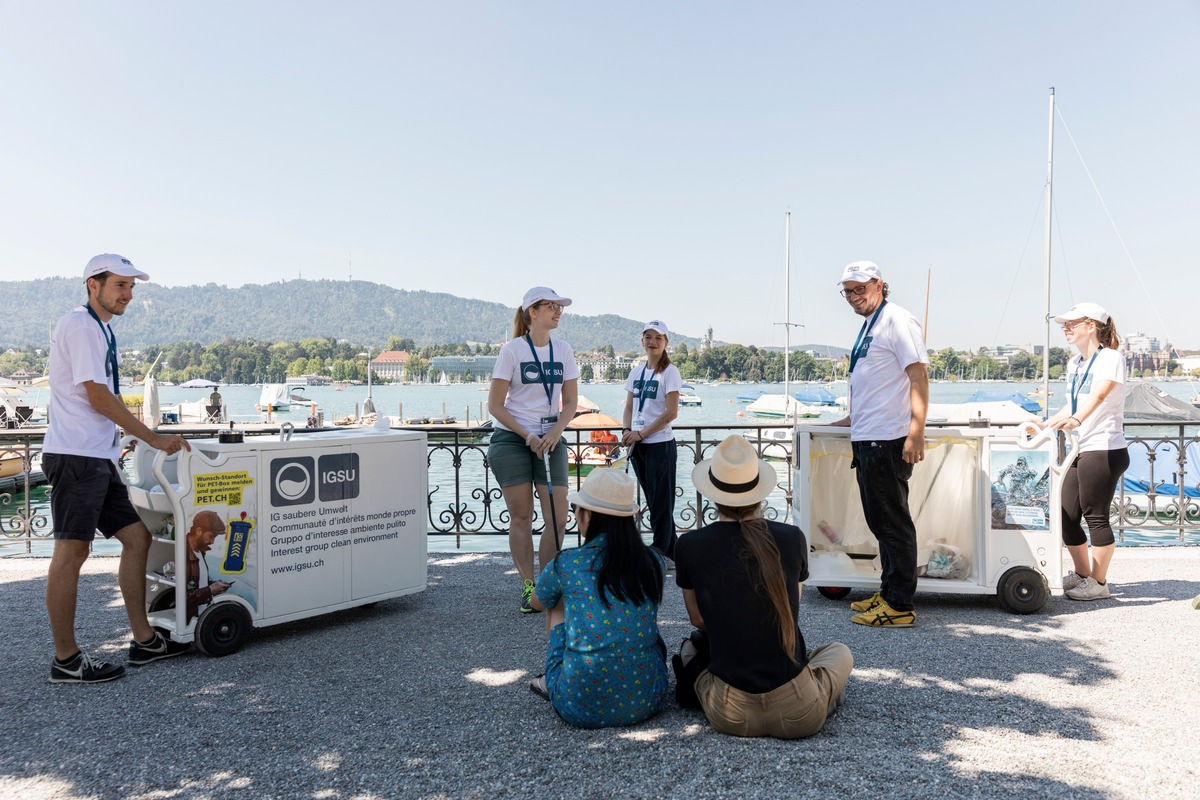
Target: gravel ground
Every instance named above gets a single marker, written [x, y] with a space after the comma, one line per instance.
[425, 697]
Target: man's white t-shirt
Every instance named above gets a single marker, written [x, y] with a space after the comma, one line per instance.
[526, 399]
[644, 382]
[79, 353]
[1105, 428]
[880, 400]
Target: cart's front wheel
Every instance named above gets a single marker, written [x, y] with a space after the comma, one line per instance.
[222, 629]
[834, 592]
[1023, 590]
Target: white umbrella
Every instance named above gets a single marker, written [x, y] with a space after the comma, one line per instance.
[9, 386]
[151, 413]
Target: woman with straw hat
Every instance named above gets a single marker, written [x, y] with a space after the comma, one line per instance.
[741, 579]
[605, 661]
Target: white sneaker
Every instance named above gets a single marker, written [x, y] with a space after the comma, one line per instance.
[1089, 589]
[1071, 580]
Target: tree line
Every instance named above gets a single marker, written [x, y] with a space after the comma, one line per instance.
[248, 361]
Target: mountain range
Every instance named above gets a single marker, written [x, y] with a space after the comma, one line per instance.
[360, 311]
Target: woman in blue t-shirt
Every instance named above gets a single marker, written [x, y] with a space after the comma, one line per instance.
[605, 660]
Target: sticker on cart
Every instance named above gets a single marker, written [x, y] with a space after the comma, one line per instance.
[1020, 488]
[236, 546]
[220, 488]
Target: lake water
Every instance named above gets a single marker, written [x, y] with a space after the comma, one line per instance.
[469, 401]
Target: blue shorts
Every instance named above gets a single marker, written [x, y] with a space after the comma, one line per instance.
[513, 463]
[86, 495]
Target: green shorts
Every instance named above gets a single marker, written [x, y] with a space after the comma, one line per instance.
[513, 463]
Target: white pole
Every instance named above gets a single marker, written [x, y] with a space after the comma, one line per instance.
[1049, 214]
[787, 313]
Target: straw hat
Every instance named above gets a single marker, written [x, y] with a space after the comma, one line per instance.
[735, 475]
[608, 491]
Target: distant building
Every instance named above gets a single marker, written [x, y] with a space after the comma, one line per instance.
[1141, 343]
[23, 377]
[391, 365]
[462, 368]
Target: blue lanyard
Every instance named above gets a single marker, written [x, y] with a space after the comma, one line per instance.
[110, 339]
[547, 383]
[642, 391]
[1082, 381]
[855, 355]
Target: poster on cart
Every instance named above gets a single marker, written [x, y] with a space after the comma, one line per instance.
[1020, 488]
[222, 533]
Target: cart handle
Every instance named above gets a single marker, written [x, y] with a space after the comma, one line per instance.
[285, 431]
[1036, 437]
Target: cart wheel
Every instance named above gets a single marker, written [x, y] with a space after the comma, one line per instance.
[1023, 590]
[222, 629]
[834, 592]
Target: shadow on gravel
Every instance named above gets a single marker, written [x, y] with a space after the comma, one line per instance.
[426, 697]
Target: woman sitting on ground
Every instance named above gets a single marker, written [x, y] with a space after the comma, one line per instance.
[741, 581]
[605, 661]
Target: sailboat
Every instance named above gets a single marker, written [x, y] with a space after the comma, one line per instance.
[784, 406]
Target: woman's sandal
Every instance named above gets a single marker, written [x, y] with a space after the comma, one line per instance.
[538, 687]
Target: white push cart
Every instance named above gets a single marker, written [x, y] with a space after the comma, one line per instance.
[985, 503]
[314, 523]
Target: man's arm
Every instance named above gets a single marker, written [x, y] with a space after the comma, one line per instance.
[918, 392]
[111, 406]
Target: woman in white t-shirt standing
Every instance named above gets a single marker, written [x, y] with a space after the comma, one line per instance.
[535, 388]
[1095, 408]
[651, 405]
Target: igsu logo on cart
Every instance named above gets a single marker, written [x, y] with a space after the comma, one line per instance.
[338, 476]
[292, 481]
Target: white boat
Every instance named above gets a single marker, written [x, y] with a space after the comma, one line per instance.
[688, 396]
[781, 406]
[274, 397]
[772, 443]
[444, 380]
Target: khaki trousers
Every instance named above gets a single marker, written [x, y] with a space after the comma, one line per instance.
[793, 711]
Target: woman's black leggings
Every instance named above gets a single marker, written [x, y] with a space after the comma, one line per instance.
[1087, 494]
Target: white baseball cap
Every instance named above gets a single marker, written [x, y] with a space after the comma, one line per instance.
[1083, 311]
[539, 293]
[117, 265]
[860, 271]
[656, 325]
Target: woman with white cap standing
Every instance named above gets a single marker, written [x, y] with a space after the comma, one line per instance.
[605, 661]
[535, 388]
[651, 404]
[1095, 408]
[741, 581]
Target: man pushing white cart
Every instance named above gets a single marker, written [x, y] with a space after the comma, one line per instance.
[269, 530]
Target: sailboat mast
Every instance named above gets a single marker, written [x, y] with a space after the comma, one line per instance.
[787, 311]
[1049, 215]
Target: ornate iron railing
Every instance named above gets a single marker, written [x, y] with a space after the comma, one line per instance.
[465, 500]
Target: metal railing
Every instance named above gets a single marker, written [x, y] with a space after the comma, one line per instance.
[465, 500]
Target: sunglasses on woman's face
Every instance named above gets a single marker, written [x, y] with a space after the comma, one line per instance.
[555, 307]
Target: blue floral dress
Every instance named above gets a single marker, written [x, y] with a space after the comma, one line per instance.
[606, 665]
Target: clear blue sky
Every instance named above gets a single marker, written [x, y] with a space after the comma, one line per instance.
[637, 156]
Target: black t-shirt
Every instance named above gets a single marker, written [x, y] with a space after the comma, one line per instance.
[742, 626]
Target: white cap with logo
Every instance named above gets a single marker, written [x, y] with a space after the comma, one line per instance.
[656, 325]
[117, 265]
[539, 293]
[1083, 311]
[860, 272]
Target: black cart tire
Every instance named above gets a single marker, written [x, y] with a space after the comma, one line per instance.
[1023, 590]
[222, 629]
[834, 592]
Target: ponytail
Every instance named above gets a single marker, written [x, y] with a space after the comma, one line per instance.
[521, 323]
[1107, 334]
[767, 567]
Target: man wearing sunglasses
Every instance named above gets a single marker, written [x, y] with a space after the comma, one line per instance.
[889, 395]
